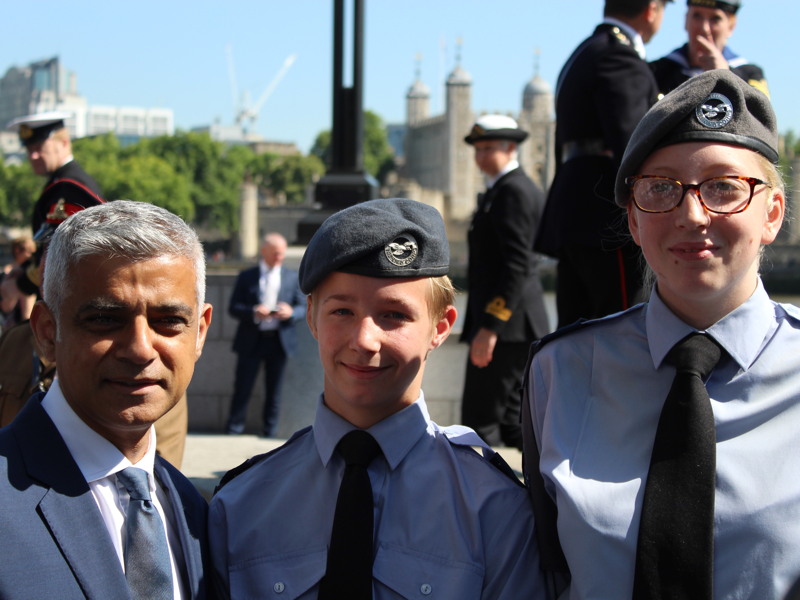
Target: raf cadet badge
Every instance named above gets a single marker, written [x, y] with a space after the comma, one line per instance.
[402, 251]
[715, 112]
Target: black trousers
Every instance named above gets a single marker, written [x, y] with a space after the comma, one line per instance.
[270, 353]
[593, 283]
[491, 401]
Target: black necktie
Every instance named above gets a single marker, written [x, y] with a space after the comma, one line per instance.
[675, 552]
[349, 571]
[147, 565]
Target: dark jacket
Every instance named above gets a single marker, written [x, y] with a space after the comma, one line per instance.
[505, 292]
[603, 91]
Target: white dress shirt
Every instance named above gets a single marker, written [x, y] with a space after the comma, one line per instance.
[99, 461]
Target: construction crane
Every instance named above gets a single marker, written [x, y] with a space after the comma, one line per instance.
[247, 114]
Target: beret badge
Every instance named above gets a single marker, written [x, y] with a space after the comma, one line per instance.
[402, 251]
[715, 112]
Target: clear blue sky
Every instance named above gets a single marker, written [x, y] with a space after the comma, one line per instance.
[172, 53]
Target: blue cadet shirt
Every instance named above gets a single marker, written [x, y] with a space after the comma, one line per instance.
[596, 397]
[448, 524]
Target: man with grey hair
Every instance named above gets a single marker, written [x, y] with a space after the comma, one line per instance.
[124, 319]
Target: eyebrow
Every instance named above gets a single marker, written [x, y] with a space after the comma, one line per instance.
[104, 305]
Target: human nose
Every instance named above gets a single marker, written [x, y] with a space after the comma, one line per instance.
[137, 345]
[366, 337]
[692, 211]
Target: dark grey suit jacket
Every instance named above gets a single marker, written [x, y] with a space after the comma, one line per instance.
[53, 542]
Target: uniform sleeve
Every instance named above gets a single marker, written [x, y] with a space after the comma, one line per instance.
[240, 306]
[514, 218]
[624, 92]
[217, 541]
[513, 571]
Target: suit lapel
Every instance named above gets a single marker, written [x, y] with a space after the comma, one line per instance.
[191, 523]
[68, 507]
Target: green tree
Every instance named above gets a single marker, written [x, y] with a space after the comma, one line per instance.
[151, 179]
[288, 175]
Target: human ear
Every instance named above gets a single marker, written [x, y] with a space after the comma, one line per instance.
[633, 223]
[44, 328]
[444, 326]
[311, 317]
[776, 207]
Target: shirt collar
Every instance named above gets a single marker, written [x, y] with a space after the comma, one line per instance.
[755, 316]
[512, 164]
[95, 456]
[396, 435]
[635, 37]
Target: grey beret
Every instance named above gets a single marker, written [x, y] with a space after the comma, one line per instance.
[392, 237]
[715, 106]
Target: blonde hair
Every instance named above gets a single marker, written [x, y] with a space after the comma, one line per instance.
[443, 294]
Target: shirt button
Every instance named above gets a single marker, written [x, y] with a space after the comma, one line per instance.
[426, 589]
[279, 587]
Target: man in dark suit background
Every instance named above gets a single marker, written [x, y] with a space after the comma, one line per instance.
[124, 319]
[505, 307]
[604, 89]
[268, 302]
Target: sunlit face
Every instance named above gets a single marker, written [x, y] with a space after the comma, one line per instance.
[492, 156]
[374, 335]
[713, 24]
[706, 264]
[47, 156]
[126, 342]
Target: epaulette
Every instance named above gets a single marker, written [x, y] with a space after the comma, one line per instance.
[253, 461]
[459, 435]
[620, 36]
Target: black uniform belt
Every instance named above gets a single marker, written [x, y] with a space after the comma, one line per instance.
[583, 148]
[268, 333]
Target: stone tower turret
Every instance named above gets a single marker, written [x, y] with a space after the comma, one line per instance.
[417, 99]
[461, 169]
[537, 154]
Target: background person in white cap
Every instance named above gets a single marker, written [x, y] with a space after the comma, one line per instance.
[709, 24]
[626, 461]
[603, 90]
[505, 306]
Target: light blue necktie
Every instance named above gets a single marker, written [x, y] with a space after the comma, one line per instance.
[147, 565]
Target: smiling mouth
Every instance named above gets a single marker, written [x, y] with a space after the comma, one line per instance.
[364, 372]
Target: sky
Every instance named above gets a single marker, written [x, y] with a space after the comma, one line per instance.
[175, 53]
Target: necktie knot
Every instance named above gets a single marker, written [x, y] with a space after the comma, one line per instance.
[135, 481]
[696, 353]
[358, 448]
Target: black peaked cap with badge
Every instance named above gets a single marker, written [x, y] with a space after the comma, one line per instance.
[496, 127]
[389, 237]
[729, 6]
[716, 106]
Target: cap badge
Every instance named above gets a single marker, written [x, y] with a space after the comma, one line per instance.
[402, 251]
[25, 132]
[715, 112]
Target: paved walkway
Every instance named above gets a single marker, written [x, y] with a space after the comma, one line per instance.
[209, 456]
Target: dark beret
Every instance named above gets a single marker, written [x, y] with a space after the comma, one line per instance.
[716, 106]
[390, 237]
[496, 127]
[729, 6]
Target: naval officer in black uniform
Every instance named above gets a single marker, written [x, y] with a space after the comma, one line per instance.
[505, 307]
[709, 24]
[603, 91]
[46, 140]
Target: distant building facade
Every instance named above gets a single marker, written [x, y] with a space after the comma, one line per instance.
[46, 85]
[438, 167]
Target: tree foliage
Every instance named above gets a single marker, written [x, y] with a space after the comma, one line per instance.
[192, 175]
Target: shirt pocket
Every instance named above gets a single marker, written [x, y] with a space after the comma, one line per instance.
[282, 577]
[419, 576]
